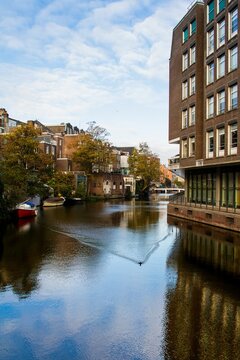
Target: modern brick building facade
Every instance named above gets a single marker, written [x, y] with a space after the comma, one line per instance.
[204, 117]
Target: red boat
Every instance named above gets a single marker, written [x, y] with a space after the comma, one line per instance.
[25, 210]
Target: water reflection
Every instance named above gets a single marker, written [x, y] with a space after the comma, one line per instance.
[26, 247]
[202, 319]
[71, 286]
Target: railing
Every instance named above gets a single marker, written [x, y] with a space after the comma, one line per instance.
[179, 199]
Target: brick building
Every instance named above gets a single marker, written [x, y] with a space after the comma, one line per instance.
[204, 111]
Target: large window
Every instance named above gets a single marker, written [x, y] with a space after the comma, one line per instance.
[233, 23]
[210, 42]
[192, 85]
[221, 33]
[233, 97]
[202, 188]
[210, 107]
[192, 54]
[210, 73]
[230, 189]
[233, 58]
[221, 5]
[193, 27]
[210, 144]
[185, 34]
[192, 115]
[220, 142]
[221, 66]
[232, 139]
[210, 11]
[221, 102]
[184, 119]
[184, 89]
[185, 61]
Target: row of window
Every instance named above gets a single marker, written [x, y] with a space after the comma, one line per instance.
[188, 147]
[224, 101]
[221, 65]
[217, 147]
[221, 32]
[189, 32]
[221, 101]
[192, 87]
[189, 60]
[211, 73]
[188, 117]
[221, 5]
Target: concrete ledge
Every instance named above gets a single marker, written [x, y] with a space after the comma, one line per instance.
[225, 220]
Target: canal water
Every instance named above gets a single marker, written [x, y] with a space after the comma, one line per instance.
[118, 280]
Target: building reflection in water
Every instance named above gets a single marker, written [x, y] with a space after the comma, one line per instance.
[202, 318]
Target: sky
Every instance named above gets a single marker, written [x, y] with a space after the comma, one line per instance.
[80, 61]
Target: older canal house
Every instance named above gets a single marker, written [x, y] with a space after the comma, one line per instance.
[204, 117]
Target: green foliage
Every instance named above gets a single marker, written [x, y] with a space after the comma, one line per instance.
[81, 191]
[62, 184]
[94, 152]
[24, 167]
[144, 165]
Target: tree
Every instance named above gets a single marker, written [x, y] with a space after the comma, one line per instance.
[62, 183]
[94, 152]
[24, 168]
[145, 165]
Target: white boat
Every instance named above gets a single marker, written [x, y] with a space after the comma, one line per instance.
[54, 201]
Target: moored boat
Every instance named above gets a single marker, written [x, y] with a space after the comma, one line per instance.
[25, 210]
[54, 201]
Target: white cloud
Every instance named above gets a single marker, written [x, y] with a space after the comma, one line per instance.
[65, 60]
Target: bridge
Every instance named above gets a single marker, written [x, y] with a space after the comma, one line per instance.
[166, 191]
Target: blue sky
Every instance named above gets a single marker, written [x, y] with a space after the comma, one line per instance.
[91, 60]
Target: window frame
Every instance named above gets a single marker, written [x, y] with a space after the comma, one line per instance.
[232, 145]
[210, 73]
[219, 42]
[210, 42]
[184, 89]
[219, 64]
[231, 92]
[192, 87]
[192, 146]
[209, 144]
[230, 57]
[219, 98]
[184, 149]
[184, 119]
[219, 8]
[185, 61]
[232, 33]
[220, 150]
[191, 57]
[208, 114]
[210, 12]
[193, 29]
[185, 36]
[191, 117]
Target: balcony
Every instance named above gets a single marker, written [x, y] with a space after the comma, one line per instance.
[174, 162]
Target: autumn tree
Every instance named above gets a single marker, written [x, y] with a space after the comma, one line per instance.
[24, 168]
[145, 165]
[93, 150]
